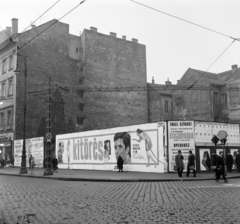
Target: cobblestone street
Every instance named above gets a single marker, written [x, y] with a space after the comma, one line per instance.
[30, 200]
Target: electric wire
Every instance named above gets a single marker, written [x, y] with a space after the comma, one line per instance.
[36, 19]
[12, 39]
[53, 23]
[20, 48]
[211, 65]
[184, 20]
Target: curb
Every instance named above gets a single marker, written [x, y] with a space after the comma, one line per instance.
[113, 180]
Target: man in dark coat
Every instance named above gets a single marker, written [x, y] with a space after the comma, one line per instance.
[120, 164]
[191, 164]
[229, 161]
[55, 164]
[238, 161]
[179, 163]
[220, 167]
[214, 163]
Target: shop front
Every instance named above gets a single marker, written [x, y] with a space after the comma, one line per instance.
[206, 149]
[6, 147]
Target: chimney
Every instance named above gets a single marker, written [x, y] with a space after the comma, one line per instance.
[113, 34]
[33, 26]
[124, 37]
[178, 82]
[234, 68]
[168, 83]
[153, 80]
[14, 26]
[134, 40]
[93, 29]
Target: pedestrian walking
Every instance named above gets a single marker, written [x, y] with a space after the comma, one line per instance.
[221, 167]
[238, 161]
[229, 162]
[120, 164]
[214, 163]
[191, 164]
[179, 163]
[55, 164]
[12, 162]
[32, 164]
[29, 160]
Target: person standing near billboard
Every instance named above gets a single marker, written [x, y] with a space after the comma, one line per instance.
[179, 163]
[148, 145]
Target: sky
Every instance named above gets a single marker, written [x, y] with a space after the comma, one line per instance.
[172, 45]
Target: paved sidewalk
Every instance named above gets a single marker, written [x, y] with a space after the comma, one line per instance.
[101, 175]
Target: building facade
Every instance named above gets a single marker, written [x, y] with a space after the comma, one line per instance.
[213, 97]
[91, 81]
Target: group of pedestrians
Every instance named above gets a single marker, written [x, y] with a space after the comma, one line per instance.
[179, 164]
[218, 164]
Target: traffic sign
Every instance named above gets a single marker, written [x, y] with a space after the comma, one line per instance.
[48, 136]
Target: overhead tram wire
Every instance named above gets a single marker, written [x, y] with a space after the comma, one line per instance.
[184, 20]
[210, 66]
[20, 48]
[53, 23]
[49, 26]
[37, 19]
[12, 39]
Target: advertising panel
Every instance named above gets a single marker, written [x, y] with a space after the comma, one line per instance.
[140, 146]
[204, 131]
[234, 154]
[180, 137]
[34, 147]
[205, 159]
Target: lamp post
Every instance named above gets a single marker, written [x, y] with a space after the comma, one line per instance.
[48, 156]
[23, 169]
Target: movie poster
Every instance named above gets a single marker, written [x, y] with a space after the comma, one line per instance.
[34, 147]
[205, 159]
[180, 137]
[142, 148]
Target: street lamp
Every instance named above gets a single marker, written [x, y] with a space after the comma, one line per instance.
[23, 169]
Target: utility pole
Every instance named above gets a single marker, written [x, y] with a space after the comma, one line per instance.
[23, 169]
[48, 154]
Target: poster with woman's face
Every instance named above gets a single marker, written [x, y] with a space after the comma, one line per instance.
[234, 154]
[205, 159]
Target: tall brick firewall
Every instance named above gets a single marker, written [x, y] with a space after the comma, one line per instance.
[113, 63]
[50, 53]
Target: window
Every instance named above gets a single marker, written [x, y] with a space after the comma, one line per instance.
[80, 120]
[4, 66]
[171, 107]
[76, 49]
[9, 118]
[166, 106]
[10, 87]
[81, 106]
[215, 98]
[10, 63]
[216, 118]
[3, 89]
[80, 93]
[224, 98]
[1, 120]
